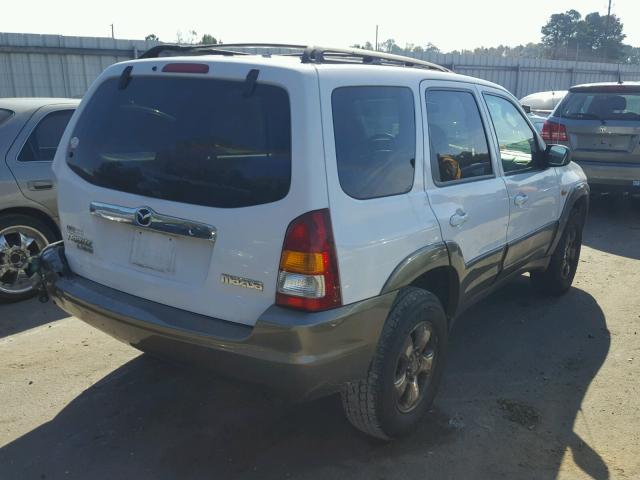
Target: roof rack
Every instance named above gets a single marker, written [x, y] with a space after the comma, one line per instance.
[368, 57]
[307, 54]
[169, 50]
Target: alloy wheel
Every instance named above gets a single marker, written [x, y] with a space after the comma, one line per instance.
[415, 366]
[19, 245]
[570, 252]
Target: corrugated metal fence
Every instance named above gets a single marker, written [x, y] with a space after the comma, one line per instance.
[58, 66]
[54, 65]
[522, 76]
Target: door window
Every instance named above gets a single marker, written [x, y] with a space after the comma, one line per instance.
[516, 140]
[458, 142]
[43, 141]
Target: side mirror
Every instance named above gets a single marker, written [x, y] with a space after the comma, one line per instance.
[526, 108]
[558, 155]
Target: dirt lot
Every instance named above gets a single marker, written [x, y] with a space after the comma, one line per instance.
[535, 388]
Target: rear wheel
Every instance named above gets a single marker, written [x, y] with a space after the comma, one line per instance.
[559, 275]
[406, 369]
[22, 238]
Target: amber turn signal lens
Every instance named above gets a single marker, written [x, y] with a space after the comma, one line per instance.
[301, 262]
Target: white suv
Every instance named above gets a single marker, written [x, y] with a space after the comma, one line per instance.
[312, 222]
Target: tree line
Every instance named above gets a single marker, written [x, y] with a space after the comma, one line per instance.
[565, 36]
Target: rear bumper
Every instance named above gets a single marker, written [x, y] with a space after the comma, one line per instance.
[303, 355]
[614, 176]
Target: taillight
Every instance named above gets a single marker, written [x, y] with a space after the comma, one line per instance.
[554, 132]
[308, 277]
[186, 68]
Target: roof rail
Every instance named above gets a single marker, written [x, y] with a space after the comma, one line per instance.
[171, 50]
[308, 54]
[369, 57]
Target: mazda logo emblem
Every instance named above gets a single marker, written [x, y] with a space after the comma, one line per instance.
[143, 216]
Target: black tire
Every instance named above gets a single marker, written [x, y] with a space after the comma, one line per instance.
[558, 277]
[372, 405]
[48, 236]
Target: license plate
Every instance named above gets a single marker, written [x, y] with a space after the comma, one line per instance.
[154, 251]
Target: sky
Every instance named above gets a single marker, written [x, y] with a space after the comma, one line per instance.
[449, 24]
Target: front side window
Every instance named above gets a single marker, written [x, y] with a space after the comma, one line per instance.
[199, 141]
[375, 138]
[42, 143]
[457, 139]
[515, 138]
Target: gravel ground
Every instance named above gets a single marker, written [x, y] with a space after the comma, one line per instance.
[535, 388]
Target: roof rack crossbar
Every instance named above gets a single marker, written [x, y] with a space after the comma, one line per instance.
[308, 54]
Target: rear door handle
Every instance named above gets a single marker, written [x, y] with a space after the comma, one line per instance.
[40, 185]
[458, 218]
[520, 199]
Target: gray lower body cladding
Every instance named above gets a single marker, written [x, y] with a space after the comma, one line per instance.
[302, 355]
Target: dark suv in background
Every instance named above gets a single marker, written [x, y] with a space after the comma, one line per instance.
[600, 122]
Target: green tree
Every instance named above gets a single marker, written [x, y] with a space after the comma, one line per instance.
[390, 46]
[558, 32]
[631, 54]
[594, 37]
[431, 48]
[152, 38]
[601, 37]
[208, 39]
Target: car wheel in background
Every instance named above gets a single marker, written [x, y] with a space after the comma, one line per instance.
[22, 238]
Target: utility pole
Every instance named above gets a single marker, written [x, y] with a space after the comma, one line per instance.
[606, 32]
[112, 35]
[376, 38]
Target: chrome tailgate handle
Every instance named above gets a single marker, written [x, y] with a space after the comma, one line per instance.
[145, 217]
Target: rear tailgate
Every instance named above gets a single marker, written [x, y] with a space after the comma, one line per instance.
[179, 187]
[615, 140]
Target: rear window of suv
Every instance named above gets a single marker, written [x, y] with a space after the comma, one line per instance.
[196, 141]
[600, 106]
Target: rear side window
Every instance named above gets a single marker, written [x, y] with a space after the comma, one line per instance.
[5, 115]
[375, 138]
[190, 140]
[600, 106]
[42, 143]
[457, 139]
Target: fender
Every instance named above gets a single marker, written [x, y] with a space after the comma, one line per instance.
[419, 262]
[578, 191]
